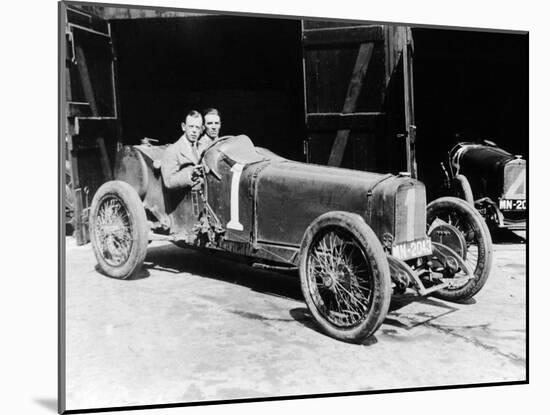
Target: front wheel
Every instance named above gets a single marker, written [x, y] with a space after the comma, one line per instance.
[479, 247]
[118, 229]
[345, 277]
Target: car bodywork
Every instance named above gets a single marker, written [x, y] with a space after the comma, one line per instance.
[355, 237]
[263, 203]
[497, 180]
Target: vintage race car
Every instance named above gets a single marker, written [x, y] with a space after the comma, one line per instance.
[492, 180]
[354, 237]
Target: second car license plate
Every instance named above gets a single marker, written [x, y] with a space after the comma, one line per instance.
[512, 204]
[412, 249]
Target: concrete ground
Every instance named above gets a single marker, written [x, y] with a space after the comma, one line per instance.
[197, 327]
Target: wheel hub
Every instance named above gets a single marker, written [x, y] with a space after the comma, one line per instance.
[328, 281]
[332, 279]
[452, 265]
[449, 236]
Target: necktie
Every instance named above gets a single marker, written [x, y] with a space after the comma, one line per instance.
[195, 149]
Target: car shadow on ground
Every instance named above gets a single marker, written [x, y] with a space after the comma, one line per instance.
[224, 267]
[304, 317]
[504, 236]
[143, 273]
[237, 270]
[439, 308]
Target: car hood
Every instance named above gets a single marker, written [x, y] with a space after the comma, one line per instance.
[290, 195]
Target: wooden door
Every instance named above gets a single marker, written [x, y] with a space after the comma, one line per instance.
[349, 78]
[90, 122]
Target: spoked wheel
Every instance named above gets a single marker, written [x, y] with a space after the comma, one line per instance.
[479, 248]
[118, 229]
[69, 201]
[345, 276]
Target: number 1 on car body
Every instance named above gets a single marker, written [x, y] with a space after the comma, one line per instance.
[234, 223]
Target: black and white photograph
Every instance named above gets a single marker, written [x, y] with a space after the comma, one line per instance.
[266, 206]
[263, 206]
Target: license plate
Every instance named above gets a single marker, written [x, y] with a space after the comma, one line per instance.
[512, 204]
[412, 249]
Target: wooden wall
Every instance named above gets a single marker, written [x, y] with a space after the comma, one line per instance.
[108, 13]
[349, 68]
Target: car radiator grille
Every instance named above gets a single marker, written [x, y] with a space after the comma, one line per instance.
[514, 180]
[410, 212]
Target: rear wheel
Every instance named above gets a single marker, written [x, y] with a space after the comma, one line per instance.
[69, 201]
[118, 229]
[345, 276]
[479, 248]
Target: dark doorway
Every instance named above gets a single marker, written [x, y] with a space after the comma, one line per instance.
[249, 68]
[470, 83]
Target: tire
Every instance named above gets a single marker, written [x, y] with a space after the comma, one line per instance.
[479, 253]
[69, 210]
[118, 229]
[463, 189]
[348, 239]
[69, 203]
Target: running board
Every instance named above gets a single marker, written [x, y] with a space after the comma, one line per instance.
[259, 265]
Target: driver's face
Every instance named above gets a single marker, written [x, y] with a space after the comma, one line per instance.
[192, 128]
[212, 124]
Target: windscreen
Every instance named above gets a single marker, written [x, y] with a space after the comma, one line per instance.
[233, 149]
